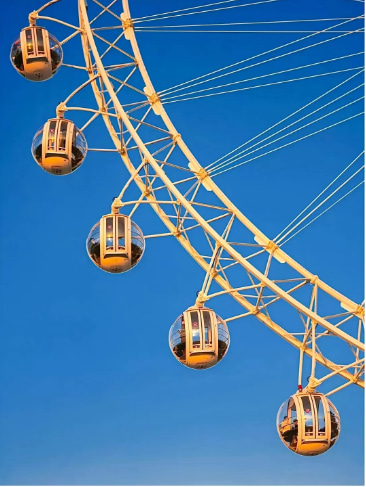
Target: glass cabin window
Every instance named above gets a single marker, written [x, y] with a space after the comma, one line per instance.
[63, 135]
[222, 331]
[29, 40]
[334, 425]
[196, 338]
[37, 145]
[288, 423]
[321, 415]
[182, 330]
[55, 51]
[294, 423]
[285, 424]
[74, 160]
[74, 136]
[292, 412]
[93, 244]
[207, 328]
[121, 234]
[16, 55]
[177, 338]
[79, 141]
[51, 136]
[109, 233]
[40, 44]
[308, 416]
[137, 243]
[181, 348]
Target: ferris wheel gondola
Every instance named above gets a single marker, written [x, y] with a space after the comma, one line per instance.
[308, 423]
[37, 54]
[115, 244]
[199, 338]
[59, 147]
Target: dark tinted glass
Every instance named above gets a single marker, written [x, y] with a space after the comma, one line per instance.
[62, 136]
[29, 39]
[207, 327]
[308, 415]
[109, 233]
[40, 44]
[51, 142]
[196, 339]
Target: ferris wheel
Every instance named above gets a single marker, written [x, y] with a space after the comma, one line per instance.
[237, 258]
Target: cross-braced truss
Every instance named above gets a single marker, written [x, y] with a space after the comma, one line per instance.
[237, 257]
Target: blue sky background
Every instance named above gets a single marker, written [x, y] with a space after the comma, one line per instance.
[90, 392]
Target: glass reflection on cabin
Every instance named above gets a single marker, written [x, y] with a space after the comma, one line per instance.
[115, 244]
[199, 338]
[59, 147]
[308, 423]
[36, 55]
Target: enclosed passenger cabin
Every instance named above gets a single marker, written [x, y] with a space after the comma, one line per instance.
[199, 338]
[36, 55]
[308, 423]
[115, 243]
[59, 147]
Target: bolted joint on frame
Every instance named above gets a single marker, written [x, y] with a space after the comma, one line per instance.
[271, 246]
[255, 311]
[127, 24]
[303, 347]
[153, 98]
[355, 378]
[202, 174]
[314, 280]
[360, 312]
[176, 138]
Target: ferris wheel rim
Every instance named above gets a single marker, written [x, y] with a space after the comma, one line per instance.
[346, 301]
[348, 304]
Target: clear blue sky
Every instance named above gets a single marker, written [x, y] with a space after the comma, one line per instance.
[89, 390]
